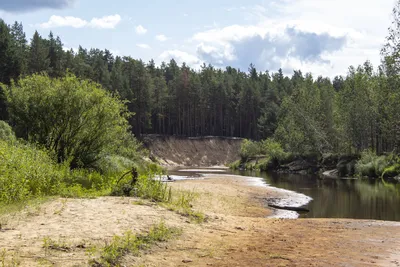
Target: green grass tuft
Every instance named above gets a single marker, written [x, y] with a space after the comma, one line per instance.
[129, 243]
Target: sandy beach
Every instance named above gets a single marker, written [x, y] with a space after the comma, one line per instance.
[239, 231]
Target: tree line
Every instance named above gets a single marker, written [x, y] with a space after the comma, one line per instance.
[305, 114]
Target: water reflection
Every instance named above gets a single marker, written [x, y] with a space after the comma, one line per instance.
[358, 199]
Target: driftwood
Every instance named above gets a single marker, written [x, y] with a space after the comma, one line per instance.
[298, 209]
[134, 174]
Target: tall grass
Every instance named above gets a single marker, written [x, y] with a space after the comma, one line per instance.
[26, 171]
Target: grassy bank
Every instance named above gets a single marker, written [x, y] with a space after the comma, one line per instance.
[268, 155]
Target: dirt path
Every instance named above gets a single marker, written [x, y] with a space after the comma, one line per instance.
[236, 233]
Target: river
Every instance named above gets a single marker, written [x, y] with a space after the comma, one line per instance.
[351, 198]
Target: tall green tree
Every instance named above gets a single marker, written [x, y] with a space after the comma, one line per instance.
[20, 47]
[55, 56]
[38, 55]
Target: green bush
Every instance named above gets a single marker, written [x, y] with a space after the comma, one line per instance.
[114, 164]
[76, 119]
[391, 171]
[26, 171]
[146, 186]
[236, 165]
[6, 132]
[372, 165]
[273, 149]
[250, 149]
[264, 164]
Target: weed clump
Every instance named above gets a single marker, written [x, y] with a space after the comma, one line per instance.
[129, 243]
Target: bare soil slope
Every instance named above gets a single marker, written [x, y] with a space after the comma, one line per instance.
[193, 151]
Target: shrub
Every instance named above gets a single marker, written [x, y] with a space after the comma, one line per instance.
[265, 164]
[372, 165]
[114, 165]
[76, 119]
[273, 149]
[236, 165]
[6, 132]
[26, 171]
[146, 187]
[249, 149]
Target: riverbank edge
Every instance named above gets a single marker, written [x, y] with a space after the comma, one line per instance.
[282, 200]
[331, 166]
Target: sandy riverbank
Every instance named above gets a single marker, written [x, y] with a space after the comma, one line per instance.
[237, 232]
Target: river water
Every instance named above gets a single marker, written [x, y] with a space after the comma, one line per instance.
[331, 198]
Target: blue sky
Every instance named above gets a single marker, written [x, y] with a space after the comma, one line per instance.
[322, 37]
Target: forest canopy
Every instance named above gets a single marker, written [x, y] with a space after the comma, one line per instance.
[305, 114]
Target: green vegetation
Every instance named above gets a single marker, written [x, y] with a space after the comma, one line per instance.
[371, 165]
[27, 172]
[59, 245]
[67, 118]
[250, 149]
[129, 243]
[305, 114]
[9, 259]
[146, 187]
[181, 202]
[392, 171]
[76, 119]
[260, 155]
[6, 132]
[74, 141]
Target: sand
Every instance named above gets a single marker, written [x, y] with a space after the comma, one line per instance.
[238, 232]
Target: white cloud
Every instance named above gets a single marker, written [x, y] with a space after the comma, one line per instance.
[218, 55]
[267, 47]
[106, 22]
[161, 38]
[140, 30]
[317, 36]
[68, 21]
[143, 46]
[181, 57]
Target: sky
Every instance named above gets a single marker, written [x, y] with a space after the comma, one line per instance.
[323, 37]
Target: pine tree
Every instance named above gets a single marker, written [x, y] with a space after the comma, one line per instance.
[20, 47]
[55, 56]
[38, 55]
